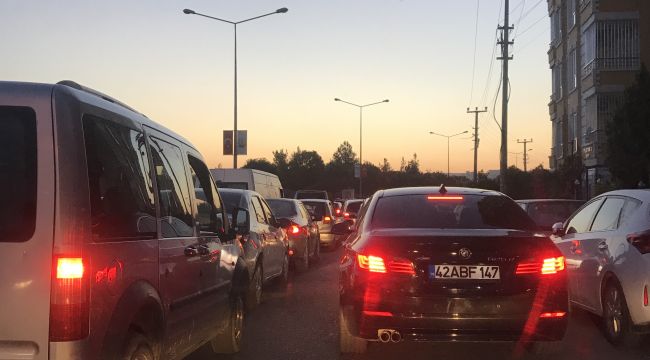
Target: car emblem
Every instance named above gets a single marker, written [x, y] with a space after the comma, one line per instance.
[465, 253]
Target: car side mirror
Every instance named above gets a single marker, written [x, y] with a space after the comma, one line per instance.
[342, 228]
[242, 221]
[284, 222]
[558, 229]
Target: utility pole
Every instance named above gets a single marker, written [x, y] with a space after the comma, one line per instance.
[476, 111]
[505, 57]
[525, 142]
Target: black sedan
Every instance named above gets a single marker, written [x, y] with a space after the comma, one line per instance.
[456, 264]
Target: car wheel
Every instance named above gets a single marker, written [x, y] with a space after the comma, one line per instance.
[229, 341]
[616, 321]
[349, 343]
[138, 347]
[302, 263]
[254, 294]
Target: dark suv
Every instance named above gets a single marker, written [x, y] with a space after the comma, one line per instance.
[114, 241]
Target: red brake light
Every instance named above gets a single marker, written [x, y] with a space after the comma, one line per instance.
[645, 295]
[346, 215]
[69, 314]
[378, 265]
[546, 267]
[548, 315]
[377, 313]
[69, 268]
[326, 219]
[294, 229]
[641, 241]
[338, 211]
[450, 197]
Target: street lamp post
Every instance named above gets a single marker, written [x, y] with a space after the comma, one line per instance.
[360, 138]
[235, 23]
[448, 137]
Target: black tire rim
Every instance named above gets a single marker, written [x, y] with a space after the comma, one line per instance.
[238, 321]
[613, 312]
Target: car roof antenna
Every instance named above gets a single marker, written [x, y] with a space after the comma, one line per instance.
[443, 189]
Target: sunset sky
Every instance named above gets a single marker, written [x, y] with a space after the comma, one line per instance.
[178, 70]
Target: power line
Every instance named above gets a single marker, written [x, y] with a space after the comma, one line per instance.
[521, 13]
[532, 40]
[492, 57]
[471, 96]
[531, 9]
[533, 25]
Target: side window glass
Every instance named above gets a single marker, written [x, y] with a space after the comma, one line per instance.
[208, 204]
[173, 190]
[121, 191]
[581, 222]
[305, 213]
[258, 210]
[628, 209]
[267, 211]
[608, 215]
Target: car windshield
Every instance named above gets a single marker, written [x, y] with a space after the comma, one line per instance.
[450, 212]
[545, 214]
[282, 208]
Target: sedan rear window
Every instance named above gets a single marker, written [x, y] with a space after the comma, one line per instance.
[282, 208]
[450, 212]
[17, 173]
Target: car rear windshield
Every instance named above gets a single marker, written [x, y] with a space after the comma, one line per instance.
[17, 173]
[545, 214]
[231, 200]
[282, 208]
[354, 207]
[450, 212]
[318, 209]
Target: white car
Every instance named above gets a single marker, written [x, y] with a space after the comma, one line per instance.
[607, 248]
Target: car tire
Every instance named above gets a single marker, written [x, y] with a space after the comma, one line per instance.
[229, 341]
[302, 263]
[255, 289]
[349, 343]
[616, 323]
[545, 349]
[138, 347]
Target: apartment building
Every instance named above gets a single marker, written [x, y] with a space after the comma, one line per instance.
[596, 51]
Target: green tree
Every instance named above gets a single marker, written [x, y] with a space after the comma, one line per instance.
[306, 169]
[281, 163]
[628, 135]
[385, 166]
[413, 166]
[344, 155]
[261, 164]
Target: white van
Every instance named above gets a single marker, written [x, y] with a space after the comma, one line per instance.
[267, 184]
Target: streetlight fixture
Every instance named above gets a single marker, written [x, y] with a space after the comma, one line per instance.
[235, 23]
[361, 137]
[448, 137]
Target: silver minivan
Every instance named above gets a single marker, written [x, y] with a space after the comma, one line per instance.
[106, 251]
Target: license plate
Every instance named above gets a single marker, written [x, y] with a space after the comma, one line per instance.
[464, 272]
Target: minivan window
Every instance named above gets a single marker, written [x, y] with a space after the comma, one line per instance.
[209, 209]
[173, 190]
[465, 212]
[17, 173]
[121, 192]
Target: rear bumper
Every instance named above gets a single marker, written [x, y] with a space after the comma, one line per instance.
[328, 239]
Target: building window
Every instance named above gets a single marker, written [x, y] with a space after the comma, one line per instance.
[611, 45]
[570, 14]
[572, 76]
[606, 106]
[557, 139]
[557, 81]
[556, 27]
[572, 138]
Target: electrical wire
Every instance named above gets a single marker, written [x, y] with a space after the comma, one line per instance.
[471, 96]
[533, 25]
[492, 58]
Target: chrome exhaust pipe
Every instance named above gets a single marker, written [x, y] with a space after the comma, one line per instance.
[395, 336]
[384, 335]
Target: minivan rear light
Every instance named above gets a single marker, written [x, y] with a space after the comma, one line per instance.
[545, 267]
[69, 313]
[641, 241]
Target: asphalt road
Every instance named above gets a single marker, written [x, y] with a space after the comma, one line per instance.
[302, 323]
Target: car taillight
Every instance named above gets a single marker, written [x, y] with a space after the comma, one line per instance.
[546, 266]
[641, 241]
[551, 315]
[327, 219]
[377, 264]
[338, 212]
[346, 215]
[69, 300]
[294, 229]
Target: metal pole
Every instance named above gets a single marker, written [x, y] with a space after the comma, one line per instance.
[234, 133]
[504, 107]
[361, 151]
[448, 137]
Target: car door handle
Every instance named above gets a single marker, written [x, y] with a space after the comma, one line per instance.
[603, 246]
[191, 251]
